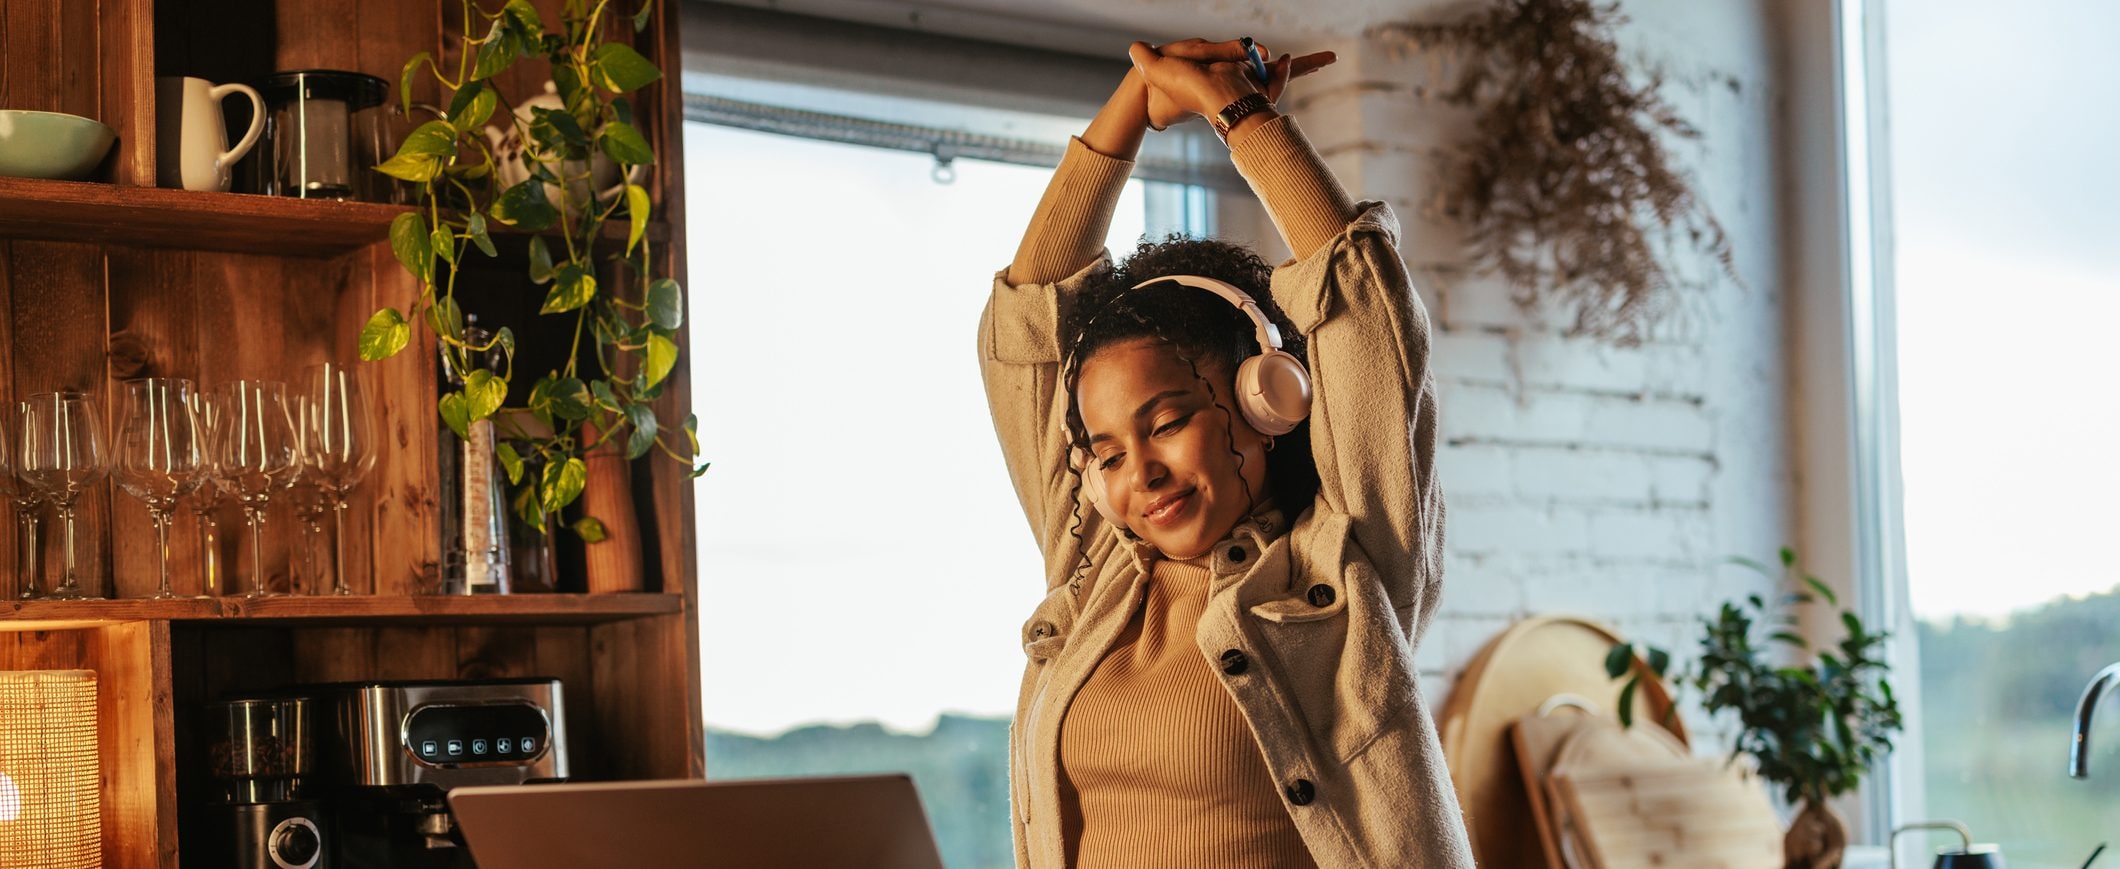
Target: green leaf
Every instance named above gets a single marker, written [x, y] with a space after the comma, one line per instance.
[528, 509]
[572, 288]
[1853, 624]
[411, 167]
[662, 356]
[666, 304]
[560, 398]
[405, 80]
[445, 319]
[1619, 659]
[1823, 590]
[456, 411]
[590, 529]
[558, 130]
[640, 19]
[700, 471]
[617, 68]
[484, 393]
[525, 18]
[579, 99]
[477, 230]
[624, 144]
[510, 461]
[408, 240]
[1788, 557]
[472, 105]
[562, 483]
[431, 139]
[1659, 661]
[385, 334]
[540, 260]
[642, 419]
[1626, 702]
[605, 398]
[444, 243]
[1791, 638]
[692, 431]
[495, 54]
[637, 211]
[524, 206]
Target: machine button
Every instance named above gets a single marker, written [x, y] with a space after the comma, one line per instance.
[478, 746]
[529, 744]
[504, 745]
[429, 749]
[456, 747]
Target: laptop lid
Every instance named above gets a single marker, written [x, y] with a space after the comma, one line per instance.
[855, 821]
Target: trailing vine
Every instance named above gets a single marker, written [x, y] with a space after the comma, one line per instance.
[634, 342]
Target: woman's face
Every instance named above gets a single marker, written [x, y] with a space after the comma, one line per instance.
[1164, 446]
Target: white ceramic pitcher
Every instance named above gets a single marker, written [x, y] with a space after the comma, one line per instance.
[191, 139]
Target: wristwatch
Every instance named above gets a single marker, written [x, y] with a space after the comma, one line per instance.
[1245, 106]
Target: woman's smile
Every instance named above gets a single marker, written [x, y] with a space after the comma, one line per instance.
[1166, 511]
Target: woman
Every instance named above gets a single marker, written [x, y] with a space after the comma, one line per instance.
[1221, 673]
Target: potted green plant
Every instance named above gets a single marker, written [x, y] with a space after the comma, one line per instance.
[561, 146]
[1814, 726]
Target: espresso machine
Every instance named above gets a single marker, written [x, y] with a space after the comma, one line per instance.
[390, 752]
[260, 757]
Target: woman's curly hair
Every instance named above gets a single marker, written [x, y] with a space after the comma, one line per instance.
[1207, 333]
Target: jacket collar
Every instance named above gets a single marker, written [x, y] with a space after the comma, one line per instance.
[1236, 552]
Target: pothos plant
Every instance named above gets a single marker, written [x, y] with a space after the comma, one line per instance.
[632, 335]
[1815, 726]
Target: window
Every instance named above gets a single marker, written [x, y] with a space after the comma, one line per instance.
[2002, 274]
[864, 566]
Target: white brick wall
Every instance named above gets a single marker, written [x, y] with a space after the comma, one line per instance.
[1584, 478]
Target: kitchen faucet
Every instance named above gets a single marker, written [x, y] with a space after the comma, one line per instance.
[2079, 746]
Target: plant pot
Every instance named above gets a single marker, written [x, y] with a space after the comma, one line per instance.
[1817, 838]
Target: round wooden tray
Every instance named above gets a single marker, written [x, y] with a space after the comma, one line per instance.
[1515, 672]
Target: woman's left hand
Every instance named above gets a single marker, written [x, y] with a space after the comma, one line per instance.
[1204, 88]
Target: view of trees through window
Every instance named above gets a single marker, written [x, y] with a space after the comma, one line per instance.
[2003, 192]
[864, 568]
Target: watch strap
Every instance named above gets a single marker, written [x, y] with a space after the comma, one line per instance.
[1244, 106]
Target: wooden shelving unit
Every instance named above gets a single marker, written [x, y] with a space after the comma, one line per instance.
[112, 278]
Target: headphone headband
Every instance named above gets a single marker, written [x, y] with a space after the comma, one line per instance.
[1267, 334]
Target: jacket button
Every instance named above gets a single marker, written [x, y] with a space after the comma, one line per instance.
[1234, 662]
[1301, 792]
[1042, 630]
[1321, 595]
[1237, 555]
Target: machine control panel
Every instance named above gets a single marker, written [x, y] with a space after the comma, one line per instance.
[450, 734]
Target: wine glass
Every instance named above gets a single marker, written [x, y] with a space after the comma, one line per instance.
[340, 439]
[28, 504]
[206, 413]
[62, 456]
[308, 500]
[257, 450]
[158, 455]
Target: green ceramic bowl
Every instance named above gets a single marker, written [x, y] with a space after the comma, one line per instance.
[51, 145]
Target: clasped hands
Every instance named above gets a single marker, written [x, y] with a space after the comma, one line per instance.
[1197, 77]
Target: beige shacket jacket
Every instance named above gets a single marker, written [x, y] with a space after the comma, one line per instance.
[1312, 629]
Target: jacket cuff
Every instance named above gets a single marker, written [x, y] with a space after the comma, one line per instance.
[1306, 201]
[1072, 219]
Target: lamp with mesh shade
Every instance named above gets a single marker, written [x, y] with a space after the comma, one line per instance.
[49, 800]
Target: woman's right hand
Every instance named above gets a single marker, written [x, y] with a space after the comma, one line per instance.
[1177, 91]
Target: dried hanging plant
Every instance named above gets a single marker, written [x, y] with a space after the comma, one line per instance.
[1567, 170]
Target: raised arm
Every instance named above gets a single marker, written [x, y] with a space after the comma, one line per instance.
[1373, 416]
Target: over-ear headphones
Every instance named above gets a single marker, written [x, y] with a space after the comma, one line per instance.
[1273, 387]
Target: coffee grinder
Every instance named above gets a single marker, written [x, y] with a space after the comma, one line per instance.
[261, 751]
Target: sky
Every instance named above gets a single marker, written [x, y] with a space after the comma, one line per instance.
[861, 554]
[2006, 206]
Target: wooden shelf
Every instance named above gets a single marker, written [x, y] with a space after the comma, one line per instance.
[555, 609]
[191, 220]
[156, 217]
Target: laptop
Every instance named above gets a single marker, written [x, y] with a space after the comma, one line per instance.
[873, 822]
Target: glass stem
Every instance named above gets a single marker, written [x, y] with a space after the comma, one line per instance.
[338, 545]
[70, 582]
[161, 520]
[26, 563]
[209, 553]
[257, 549]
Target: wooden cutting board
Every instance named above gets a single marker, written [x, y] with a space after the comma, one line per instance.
[1696, 814]
[1516, 671]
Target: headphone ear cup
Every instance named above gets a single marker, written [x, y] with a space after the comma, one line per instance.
[1273, 389]
[1093, 489]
